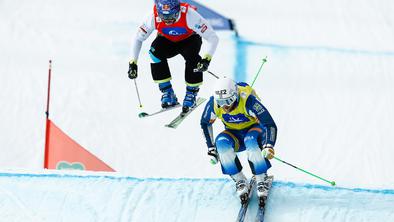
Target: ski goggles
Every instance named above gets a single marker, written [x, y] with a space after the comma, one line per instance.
[169, 18]
[227, 101]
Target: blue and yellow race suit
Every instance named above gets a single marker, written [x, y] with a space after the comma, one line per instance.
[248, 126]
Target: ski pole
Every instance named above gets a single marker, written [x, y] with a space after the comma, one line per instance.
[258, 72]
[217, 77]
[325, 180]
[198, 70]
[138, 94]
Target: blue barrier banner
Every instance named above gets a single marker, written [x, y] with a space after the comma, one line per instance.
[218, 21]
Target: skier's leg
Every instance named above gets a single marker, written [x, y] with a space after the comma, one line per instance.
[258, 164]
[190, 49]
[162, 49]
[226, 142]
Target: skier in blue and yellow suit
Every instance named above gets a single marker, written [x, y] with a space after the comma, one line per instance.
[248, 126]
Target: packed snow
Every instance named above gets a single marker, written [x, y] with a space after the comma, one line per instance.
[73, 196]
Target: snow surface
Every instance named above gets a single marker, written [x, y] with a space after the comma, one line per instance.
[328, 83]
[73, 196]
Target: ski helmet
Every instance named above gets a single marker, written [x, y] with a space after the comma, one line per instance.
[225, 92]
[168, 10]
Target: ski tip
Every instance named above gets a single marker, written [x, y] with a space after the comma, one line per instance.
[333, 183]
[143, 114]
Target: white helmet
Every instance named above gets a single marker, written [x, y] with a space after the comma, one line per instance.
[225, 92]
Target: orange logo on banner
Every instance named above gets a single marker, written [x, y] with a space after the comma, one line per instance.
[62, 152]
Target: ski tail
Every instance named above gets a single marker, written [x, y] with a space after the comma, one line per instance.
[162, 110]
[182, 116]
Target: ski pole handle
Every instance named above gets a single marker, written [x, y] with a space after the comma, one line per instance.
[138, 94]
[325, 180]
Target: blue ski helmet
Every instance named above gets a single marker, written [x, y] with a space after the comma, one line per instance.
[168, 10]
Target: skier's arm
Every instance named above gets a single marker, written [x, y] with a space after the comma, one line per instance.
[255, 108]
[143, 32]
[202, 27]
[207, 119]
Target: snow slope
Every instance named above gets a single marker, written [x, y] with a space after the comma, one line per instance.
[72, 196]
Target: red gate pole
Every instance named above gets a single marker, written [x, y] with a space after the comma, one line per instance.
[47, 117]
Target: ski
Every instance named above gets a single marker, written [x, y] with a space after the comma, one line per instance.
[179, 119]
[245, 203]
[144, 114]
[262, 201]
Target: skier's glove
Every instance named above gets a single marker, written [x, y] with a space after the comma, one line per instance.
[268, 151]
[213, 155]
[133, 69]
[202, 66]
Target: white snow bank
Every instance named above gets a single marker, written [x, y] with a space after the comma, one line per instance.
[87, 196]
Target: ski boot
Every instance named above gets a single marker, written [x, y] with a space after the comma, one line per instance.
[168, 99]
[190, 98]
[241, 186]
[263, 186]
[242, 190]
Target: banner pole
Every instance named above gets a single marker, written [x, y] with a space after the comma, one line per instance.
[47, 117]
